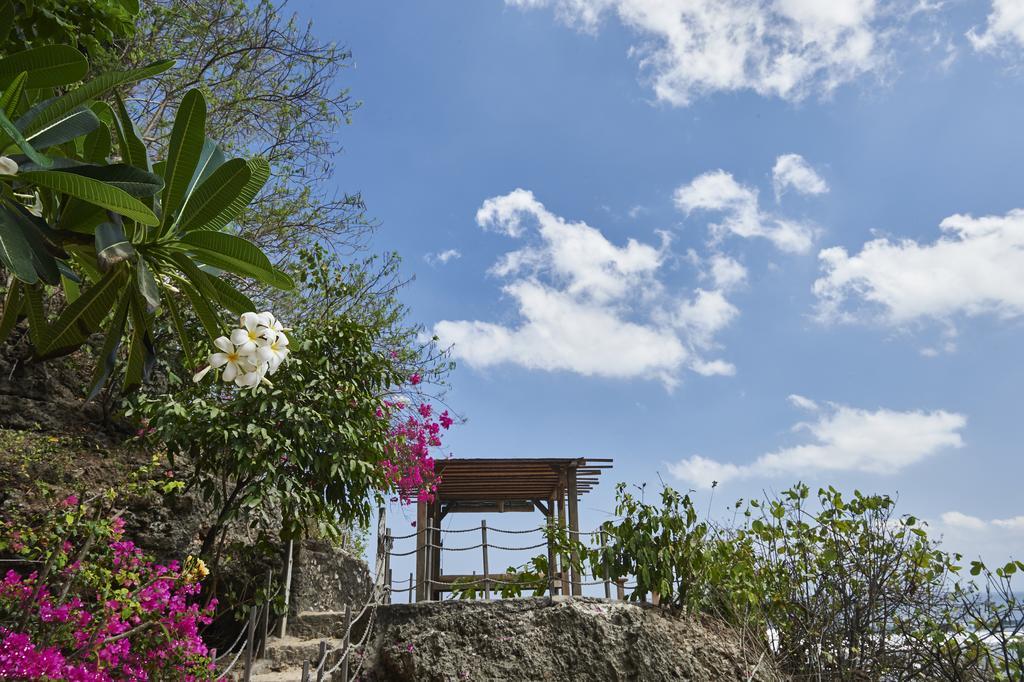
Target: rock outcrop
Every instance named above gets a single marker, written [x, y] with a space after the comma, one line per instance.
[565, 639]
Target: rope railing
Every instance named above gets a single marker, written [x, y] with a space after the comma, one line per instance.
[507, 531]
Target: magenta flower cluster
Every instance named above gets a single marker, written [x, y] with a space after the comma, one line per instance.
[410, 466]
[107, 613]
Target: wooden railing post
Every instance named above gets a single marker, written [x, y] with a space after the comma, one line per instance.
[552, 559]
[265, 618]
[410, 588]
[487, 569]
[604, 560]
[348, 638]
[305, 671]
[428, 573]
[287, 589]
[387, 566]
[574, 533]
[620, 589]
[250, 636]
[321, 654]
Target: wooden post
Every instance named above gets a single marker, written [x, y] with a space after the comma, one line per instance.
[382, 553]
[305, 671]
[435, 568]
[265, 618]
[213, 654]
[620, 589]
[320, 662]
[428, 569]
[421, 551]
[487, 569]
[574, 528]
[561, 526]
[552, 560]
[410, 588]
[250, 636]
[604, 560]
[348, 638]
[387, 566]
[287, 589]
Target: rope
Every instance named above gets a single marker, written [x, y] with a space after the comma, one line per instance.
[230, 665]
[241, 632]
[413, 551]
[518, 549]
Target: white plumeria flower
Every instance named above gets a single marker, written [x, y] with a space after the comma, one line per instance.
[253, 351]
[251, 336]
[274, 352]
[36, 208]
[274, 324]
[230, 358]
[8, 166]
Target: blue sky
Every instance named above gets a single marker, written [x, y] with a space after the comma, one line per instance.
[749, 242]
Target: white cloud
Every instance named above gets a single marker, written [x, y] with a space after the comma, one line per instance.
[1005, 24]
[955, 519]
[442, 257]
[727, 273]
[959, 520]
[976, 267]
[792, 170]
[785, 48]
[1015, 523]
[842, 438]
[586, 305]
[802, 402]
[719, 192]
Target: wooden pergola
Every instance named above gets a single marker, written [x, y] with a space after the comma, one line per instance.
[552, 486]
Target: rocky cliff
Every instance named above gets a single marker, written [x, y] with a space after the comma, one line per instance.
[565, 640]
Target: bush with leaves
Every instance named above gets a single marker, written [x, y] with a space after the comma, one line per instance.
[95, 27]
[121, 241]
[307, 452]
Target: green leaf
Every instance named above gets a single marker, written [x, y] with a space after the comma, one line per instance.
[230, 297]
[259, 171]
[183, 152]
[133, 150]
[215, 194]
[147, 285]
[38, 327]
[112, 245]
[97, 146]
[39, 117]
[211, 158]
[12, 95]
[47, 67]
[13, 303]
[236, 255]
[134, 181]
[204, 311]
[86, 314]
[141, 354]
[81, 121]
[179, 327]
[12, 133]
[93, 192]
[15, 252]
[34, 230]
[111, 344]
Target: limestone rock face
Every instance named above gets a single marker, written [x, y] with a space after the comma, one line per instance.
[539, 639]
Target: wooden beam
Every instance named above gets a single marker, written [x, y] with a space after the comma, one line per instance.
[542, 508]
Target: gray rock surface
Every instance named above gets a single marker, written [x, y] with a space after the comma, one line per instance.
[566, 640]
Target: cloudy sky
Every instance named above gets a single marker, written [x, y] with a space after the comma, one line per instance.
[717, 240]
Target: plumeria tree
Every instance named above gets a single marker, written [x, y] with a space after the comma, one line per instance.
[89, 224]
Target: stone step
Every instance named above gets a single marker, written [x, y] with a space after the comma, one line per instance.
[323, 624]
[291, 652]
